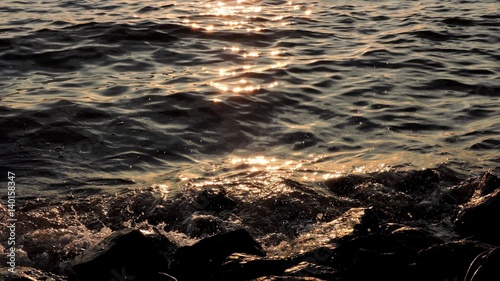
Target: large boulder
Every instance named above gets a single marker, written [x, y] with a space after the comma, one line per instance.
[362, 246]
[203, 260]
[376, 256]
[124, 255]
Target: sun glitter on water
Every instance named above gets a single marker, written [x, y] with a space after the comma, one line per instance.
[246, 20]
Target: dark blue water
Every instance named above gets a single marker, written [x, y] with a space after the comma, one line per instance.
[98, 97]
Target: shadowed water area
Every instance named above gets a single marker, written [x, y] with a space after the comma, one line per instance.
[152, 101]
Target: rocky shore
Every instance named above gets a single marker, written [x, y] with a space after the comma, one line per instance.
[428, 233]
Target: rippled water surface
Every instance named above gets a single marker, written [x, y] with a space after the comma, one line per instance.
[137, 114]
[110, 92]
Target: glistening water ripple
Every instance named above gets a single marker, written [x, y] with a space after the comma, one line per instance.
[135, 90]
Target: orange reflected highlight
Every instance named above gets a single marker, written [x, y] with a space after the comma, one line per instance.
[239, 15]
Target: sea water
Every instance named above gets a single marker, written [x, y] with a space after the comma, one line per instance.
[110, 109]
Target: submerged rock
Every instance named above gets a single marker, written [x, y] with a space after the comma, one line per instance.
[124, 255]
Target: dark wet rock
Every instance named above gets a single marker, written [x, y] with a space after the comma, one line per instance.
[201, 225]
[307, 269]
[287, 278]
[344, 185]
[415, 238]
[386, 252]
[460, 193]
[164, 246]
[214, 200]
[28, 274]
[202, 261]
[127, 253]
[488, 183]
[319, 256]
[419, 181]
[354, 222]
[388, 199]
[485, 267]
[243, 267]
[479, 218]
[374, 265]
[418, 194]
[448, 261]
[375, 256]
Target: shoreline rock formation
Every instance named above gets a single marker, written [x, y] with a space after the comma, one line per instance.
[387, 241]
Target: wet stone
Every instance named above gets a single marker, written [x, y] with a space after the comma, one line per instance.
[485, 266]
[415, 238]
[28, 274]
[202, 261]
[448, 260]
[343, 185]
[479, 218]
[214, 200]
[306, 269]
[375, 255]
[243, 267]
[287, 278]
[488, 183]
[200, 225]
[125, 254]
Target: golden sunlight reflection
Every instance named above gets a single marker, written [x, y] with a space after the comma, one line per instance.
[235, 74]
[258, 163]
[260, 176]
[162, 189]
[315, 168]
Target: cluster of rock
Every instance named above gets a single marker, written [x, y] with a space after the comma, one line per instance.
[375, 247]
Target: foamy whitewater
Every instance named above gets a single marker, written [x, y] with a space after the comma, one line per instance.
[127, 113]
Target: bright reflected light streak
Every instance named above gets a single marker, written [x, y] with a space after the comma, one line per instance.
[251, 54]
